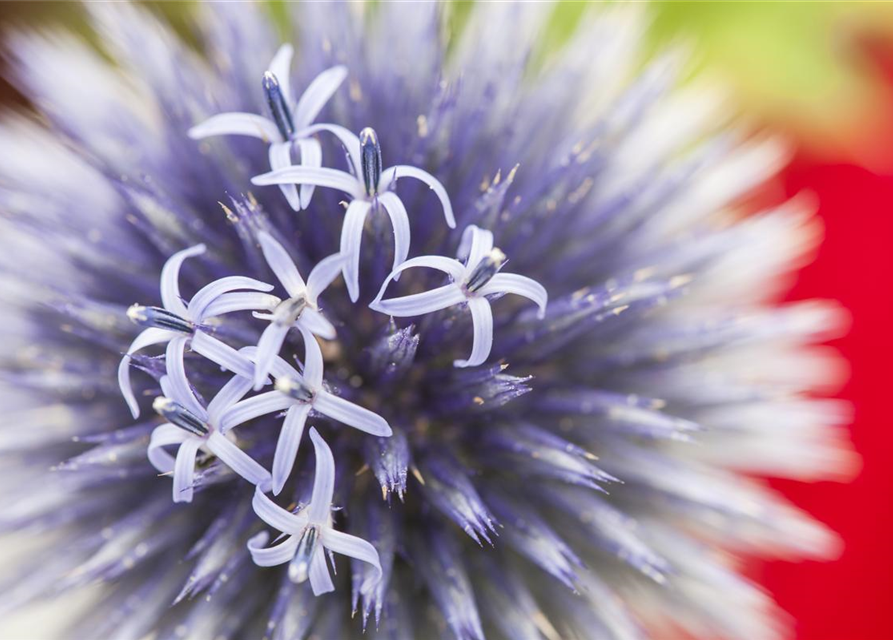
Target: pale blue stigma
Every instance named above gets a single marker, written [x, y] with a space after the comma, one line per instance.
[294, 388]
[370, 151]
[278, 106]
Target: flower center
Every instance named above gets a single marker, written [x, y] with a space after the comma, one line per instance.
[294, 388]
[488, 267]
[180, 416]
[370, 152]
[299, 567]
[288, 311]
[158, 318]
[278, 106]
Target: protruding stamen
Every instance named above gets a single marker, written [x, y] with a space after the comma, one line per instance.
[288, 311]
[299, 567]
[370, 151]
[488, 267]
[159, 318]
[297, 389]
[179, 416]
[278, 105]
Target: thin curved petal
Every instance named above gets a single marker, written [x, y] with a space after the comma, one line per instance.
[391, 174]
[317, 94]
[320, 578]
[321, 177]
[323, 274]
[268, 348]
[184, 469]
[482, 322]
[453, 268]
[237, 124]
[476, 243]
[288, 445]
[311, 156]
[323, 482]
[281, 264]
[357, 548]
[348, 138]
[259, 405]
[519, 285]
[400, 222]
[313, 363]
[241, 301]
[276, 516]
[419, 304]
[280, 158]
[239, 461]
[351, 414]
[176, 373]
[271, 556]
[170, 276]
[280, 66]
[209, 293]
[165, 435]
[317, 324]
[229, 395]
[223, 354]
[351, 238]
[146, 338]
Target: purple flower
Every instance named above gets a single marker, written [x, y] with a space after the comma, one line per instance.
[589, 471]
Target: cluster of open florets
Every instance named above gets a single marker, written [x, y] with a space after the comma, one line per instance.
[193, 425]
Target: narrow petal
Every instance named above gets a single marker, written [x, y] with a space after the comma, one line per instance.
[280, 158]
[239, 461]
[317, 94]
[268, 348]
[400, 222]
[419, 304]
[281, 264]
[454, 268]
[519, 285]
[351, 414]
[209, 293]
[223, 354]
[324, 481]
[391, 174]
[237, 124]
[482, 321]
[259, 405]
[229, 395]
[475, 244]
[165, 435]
[351, 237]
[176, 373]
[357, 548]
[288, 444]
[322, 177]
[320, 578]
[276, 516]
[170, 276]
[146, 338]
[313, 363]
[184, 469]
[317, 324]
[311, 156]
[347, 138]
[241, 301]
[280, 369]
[323, 274]
[280, 66]
[271, 556]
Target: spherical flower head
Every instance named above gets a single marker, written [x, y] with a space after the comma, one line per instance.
[525, 376]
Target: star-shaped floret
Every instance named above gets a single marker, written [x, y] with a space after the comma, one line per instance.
[472, 281]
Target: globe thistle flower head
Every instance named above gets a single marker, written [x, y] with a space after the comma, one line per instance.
[590, 468]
